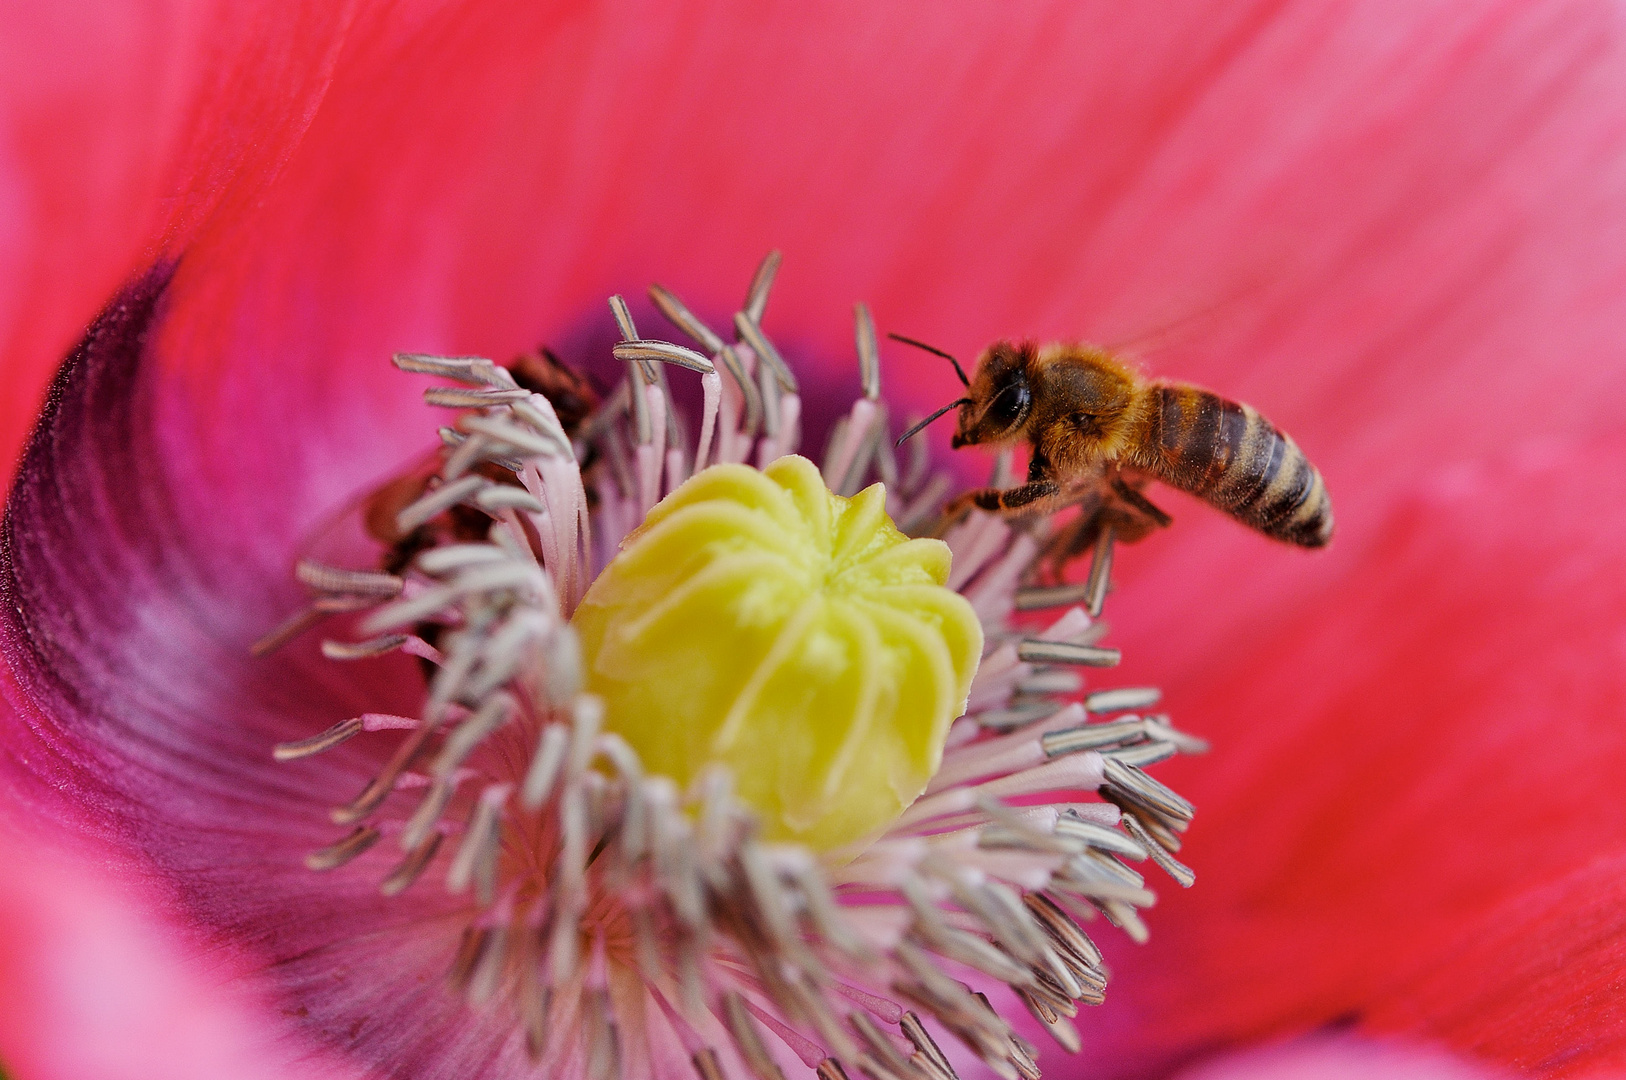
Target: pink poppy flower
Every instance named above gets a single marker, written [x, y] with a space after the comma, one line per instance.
[1396, 232]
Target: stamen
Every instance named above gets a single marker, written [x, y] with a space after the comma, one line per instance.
[768, 390]
[437, 501]
[332, 579]
[409, 869]
[343, 731]
[742, 1029]
[1129, 697]
[1099, 580]
[336, 855]
[1158, 727]
[585, 870]
[1091, 736]
[480, 841]
[1050, 596]
[1143, 755]
[287, 630]
[1179, 871]
[706, 1065]
[1138, 788]
[664, 352]
[684, 319]
[869, 352]
[748, 388]
[511, 438]
[361, 650]
[926, 1047]
[752, 335]
[475, 370]
[1061, 652]
[472, 732]
[756, 297]
[448, 397]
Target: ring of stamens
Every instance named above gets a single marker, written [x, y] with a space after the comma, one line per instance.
[586, 871]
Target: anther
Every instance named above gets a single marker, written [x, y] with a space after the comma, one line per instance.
[869, 352]
[341, 732]
[376, 791]
[454, 439]
[756, 296]
[336, 855]
[1158, 827]
[1134, 785]
[545, 765]
[925, 1045]
[1035, 651]
[1051, 596]
[512, 436]
[1123, 915]
[888, 1054]
[505, 497]
[1183, 875]
[1158, 727]
[664, 352]
[1007, 719]
[480, 840]
[453, 557]
[1100, 837]
[623, 318]
[1064, 933]
[437, 501]
[451, 367]
[1051, 681]
[538, 413]
[451, 397]
[334, 579]
[747, 1040]
[1097, 583]
[1089, 737]
[427, 815]
[706, 1065]
[361, 650]
[410, 868]
[287, 630]
[752, 335]
[1143, 754]
[684, 319]
[1129, 697]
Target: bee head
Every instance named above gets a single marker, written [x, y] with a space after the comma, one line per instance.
[1000, 398]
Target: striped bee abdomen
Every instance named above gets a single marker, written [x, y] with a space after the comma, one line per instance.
[1229, 456]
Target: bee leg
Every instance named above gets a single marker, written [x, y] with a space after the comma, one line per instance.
[1004, 500]
[1116, 505]
[1147, 508]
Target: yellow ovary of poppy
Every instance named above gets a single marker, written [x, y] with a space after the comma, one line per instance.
[760, 621]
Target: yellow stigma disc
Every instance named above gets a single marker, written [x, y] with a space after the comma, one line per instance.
[758, 620]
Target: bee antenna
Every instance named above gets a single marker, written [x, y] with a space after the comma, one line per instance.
[918, 428]
[958, 370]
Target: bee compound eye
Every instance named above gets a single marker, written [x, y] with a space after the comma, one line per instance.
[1011, 403]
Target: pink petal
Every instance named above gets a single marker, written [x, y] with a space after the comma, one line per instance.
[1331, 1057]
[134, 717]
[93, 983]
[1393, 230]
[114, 130]
[1412, 814]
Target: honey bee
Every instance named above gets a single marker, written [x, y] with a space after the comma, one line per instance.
[1098, 431]
[573, 398]
[369, 522]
